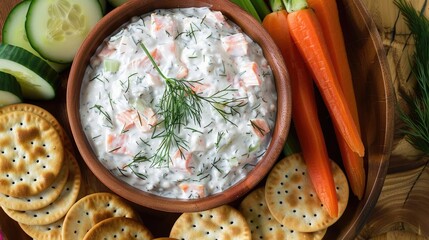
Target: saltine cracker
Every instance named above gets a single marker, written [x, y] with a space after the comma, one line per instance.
[31, 154]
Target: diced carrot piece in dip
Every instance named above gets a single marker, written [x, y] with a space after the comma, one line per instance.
[116, 143]
[199, 87]
[147, 120]
[216, 17]
[260, 127]
[172, 57]
[193, 188]
[161, 25]
[235, 45]
[182, 72]
[250, 75]
[145, 63]
[181, 161]
[126, 118]
[144, 121]
[153, 80]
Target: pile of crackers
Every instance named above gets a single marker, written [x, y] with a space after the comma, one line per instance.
[285, 208]
[40, 183]
[39, 176]
[103, 215]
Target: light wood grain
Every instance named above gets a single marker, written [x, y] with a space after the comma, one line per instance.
[403, 207]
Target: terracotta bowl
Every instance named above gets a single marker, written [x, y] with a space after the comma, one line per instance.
[112, 22]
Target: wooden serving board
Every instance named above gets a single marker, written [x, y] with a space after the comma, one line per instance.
[369, 68]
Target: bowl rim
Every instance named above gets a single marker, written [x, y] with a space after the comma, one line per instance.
[121, 15]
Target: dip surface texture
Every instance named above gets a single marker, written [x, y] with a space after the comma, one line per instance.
[122, 93]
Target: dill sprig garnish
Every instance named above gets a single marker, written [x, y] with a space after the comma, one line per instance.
[416, 119]
[257, 127]
[179, 105]
[219, 138]
[138, 158]
[104, 113]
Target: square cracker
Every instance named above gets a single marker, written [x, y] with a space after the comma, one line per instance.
[31, 154]
[224, 222]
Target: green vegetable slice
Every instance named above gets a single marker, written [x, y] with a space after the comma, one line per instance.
[14, 32]
[111, 65]
[37, 79]
[10, 90]
[57, 28]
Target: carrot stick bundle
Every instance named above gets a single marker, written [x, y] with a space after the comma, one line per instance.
[304, 113]
[308, 37]
[327, 13]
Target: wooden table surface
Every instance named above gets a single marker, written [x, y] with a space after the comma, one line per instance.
[403, 206]
[402, 209]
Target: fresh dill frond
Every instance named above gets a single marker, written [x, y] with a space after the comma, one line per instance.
[138, 158]
[219, 138]
[179, 105]
[257, 127]
[416, 118]
[104, 113]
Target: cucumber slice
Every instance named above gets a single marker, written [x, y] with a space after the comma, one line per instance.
[37, 79]
[14, 32]
[10, 90]
[117, 3]
[57, 28]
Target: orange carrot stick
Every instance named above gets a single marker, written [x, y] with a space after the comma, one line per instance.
[327, 13]
[304, 113]
[308, 37]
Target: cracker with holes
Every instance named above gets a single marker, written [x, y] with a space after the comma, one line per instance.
[47, 232]
[92, 209]
[57, 209]
[119, 228]
[40, 200]
[25, 107]
[292, 199]
[224, 222]
[262, 223]
[31, 154]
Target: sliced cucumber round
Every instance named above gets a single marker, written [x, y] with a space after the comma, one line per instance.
[57, 28]
[37, 79]
[14, 32]
[10, 90]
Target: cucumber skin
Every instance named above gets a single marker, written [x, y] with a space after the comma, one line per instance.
[8, 20]
[117, 3]
[32, 62]
[9, 81]
[103, 4]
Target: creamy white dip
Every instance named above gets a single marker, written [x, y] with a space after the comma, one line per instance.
[121, 94]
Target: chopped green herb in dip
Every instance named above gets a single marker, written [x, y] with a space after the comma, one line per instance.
[179, 102]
